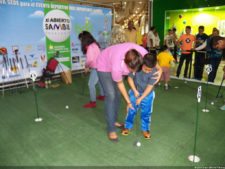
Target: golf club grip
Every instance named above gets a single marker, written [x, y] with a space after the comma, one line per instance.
[21, 62]
[7, 59]
[4, 61]
[10, 62]
[193, 51]
[187, 51]
[198, 51]
[17, 58]
[26, 61]
[14, 64]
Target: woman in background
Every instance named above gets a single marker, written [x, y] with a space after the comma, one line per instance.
[91, 49]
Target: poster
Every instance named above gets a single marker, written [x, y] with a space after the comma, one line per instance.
[34, 30]
[87, 18]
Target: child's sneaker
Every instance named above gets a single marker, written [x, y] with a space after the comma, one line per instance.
[146, 134]
[125, 132]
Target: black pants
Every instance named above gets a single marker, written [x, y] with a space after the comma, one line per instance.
[188, 58]
[215, 64]
[199, 65]
[175, 53]
[153, 51]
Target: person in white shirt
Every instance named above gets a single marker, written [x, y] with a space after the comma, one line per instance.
[169, 40]
[157, 39]
[151, 39]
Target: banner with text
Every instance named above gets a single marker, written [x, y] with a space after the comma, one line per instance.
[33, 31]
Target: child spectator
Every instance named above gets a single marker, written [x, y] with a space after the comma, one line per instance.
[165, 59]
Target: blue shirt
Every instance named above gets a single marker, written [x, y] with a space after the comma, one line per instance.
[142, 79]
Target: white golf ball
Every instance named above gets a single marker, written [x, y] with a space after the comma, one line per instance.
[67, 107]
[176, 87]
[212, 103]
[138, 144]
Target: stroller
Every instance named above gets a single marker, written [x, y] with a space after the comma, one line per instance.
[48, 72]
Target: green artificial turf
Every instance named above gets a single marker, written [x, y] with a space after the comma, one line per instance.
[77, 136]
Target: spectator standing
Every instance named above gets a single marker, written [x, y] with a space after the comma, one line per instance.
[151, 44]
[131, 32]
[169, 41]
[201, 37]
[215, 55]
[186, 42]
[175, 44]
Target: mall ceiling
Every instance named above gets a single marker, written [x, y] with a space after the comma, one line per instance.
[125, 10]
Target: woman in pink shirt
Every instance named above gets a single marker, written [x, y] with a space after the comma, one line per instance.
[112, 64]
[91, 49]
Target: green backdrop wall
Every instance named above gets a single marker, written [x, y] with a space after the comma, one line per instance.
[160, 6]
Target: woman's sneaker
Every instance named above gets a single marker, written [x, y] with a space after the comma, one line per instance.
[90, 105]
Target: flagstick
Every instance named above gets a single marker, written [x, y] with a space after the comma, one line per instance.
[208, 70]
[33, 76]
[194, 158]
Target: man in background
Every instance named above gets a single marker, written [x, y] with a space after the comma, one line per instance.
[151, 44]
[131, 32]
[186, 42]
[219, 43]
[201, 37]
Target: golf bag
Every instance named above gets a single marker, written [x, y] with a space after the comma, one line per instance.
[48, 72]
[3, 51]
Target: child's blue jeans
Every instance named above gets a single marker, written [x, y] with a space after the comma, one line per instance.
[146, 107]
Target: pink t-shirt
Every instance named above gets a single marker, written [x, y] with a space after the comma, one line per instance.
[93, 52]
[111, 59]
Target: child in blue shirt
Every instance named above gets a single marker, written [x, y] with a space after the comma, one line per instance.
[142, 95]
